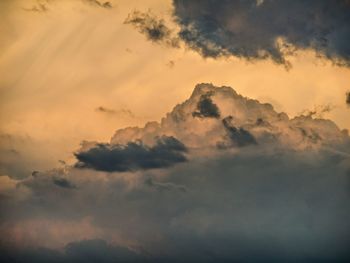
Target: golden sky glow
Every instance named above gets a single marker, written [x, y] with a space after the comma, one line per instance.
[174, 131]
[58, 66]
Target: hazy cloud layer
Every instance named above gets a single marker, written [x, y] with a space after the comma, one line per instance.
[63, 182]
[266, 29]
[283, 197]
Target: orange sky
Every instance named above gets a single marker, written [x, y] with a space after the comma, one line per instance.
[57, 67]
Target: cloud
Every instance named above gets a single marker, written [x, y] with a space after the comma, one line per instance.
[239, 136]
[258, 30]
[133, 156]
[318, 111]
[121, 112]
[206, 108]
[152, 27]
[64, 183]
[39, 7]
[89, 251]
[283, 197]
[347, 98]
[164, 186]
[97, 3]
[226, 116]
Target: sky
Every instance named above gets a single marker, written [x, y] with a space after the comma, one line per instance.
[174, 130]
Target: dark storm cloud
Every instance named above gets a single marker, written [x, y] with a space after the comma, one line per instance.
[238, 136]
[99, 3]
[133, 156]
[250, 29]
[206, 108]
[63, 182]
[152, 27]
[259, 206]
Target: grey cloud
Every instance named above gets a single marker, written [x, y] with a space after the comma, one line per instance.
[164, 186]
[133, 156]
[261, 205]
[152, 27]
[86, 251]
[251, 29]
[238, 136]
[206, 108]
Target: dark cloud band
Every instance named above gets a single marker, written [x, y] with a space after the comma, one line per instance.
[133, 156]
[257, 30]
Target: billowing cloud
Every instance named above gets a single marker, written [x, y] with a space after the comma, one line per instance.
[282, 197]
[257, 30]
[133, 156]
[152, 27]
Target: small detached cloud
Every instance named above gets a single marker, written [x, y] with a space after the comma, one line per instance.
[133, 156]
[113, 112]
[38, 8]
[97, 3]
[152, 27]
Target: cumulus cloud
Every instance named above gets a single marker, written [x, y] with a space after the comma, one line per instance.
[152, 27]
[133, 156]
[257, 30]
[282, 197]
